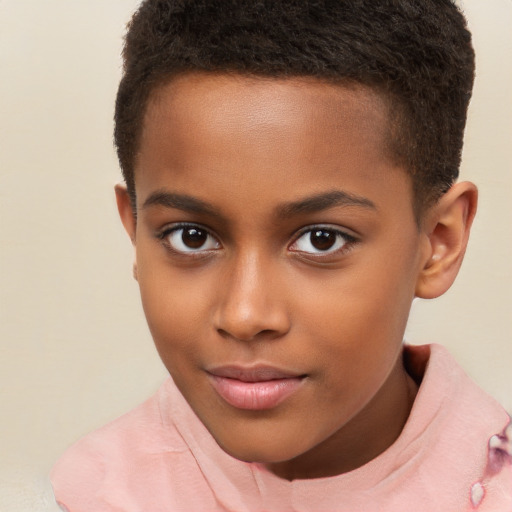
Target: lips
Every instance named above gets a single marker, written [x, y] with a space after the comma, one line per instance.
[256, 388]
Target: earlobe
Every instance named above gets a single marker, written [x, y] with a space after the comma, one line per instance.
[446, 228]
[126, 213]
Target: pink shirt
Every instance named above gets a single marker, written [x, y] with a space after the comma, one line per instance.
[454, 454]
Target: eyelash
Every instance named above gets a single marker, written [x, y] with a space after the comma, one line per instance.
[164, 234]
[349, 241]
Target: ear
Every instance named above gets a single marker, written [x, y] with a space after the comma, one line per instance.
[124, 206]
[446, 226]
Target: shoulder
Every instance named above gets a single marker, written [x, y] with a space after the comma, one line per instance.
[469, 447]
[121, 454]
[447, 389]
[467, 404]
[458, 410]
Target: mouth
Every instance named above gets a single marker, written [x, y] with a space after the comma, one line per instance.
[256, 388]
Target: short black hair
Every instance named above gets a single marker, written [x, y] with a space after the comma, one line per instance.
[417, 53]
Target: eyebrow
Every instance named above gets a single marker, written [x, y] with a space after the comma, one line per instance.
[310, 204]
[324, 201]
[181, 202]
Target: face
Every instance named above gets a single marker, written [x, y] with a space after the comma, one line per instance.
[277, 257]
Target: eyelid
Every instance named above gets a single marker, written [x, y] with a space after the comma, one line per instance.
[165, 231]
[347, 233]
[349, 238]
[173, 226]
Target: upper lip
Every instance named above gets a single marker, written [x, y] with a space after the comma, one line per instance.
[253, 374]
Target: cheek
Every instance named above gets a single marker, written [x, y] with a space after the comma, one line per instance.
[358, 301]
[175, 304]
[358, 317]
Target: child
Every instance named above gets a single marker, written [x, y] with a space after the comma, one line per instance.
[290, 172]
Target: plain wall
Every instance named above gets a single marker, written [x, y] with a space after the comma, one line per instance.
[75, 351]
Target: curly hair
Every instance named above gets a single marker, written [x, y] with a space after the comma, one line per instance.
[417, 53]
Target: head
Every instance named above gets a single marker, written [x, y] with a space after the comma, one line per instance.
[416, 55]
[289, 169]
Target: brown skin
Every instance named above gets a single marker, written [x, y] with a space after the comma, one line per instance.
[258, 291]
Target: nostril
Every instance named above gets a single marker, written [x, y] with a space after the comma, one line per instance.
[223, 333]
[249, 335]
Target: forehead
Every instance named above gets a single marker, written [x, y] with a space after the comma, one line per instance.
[269, 136]
[224, 101]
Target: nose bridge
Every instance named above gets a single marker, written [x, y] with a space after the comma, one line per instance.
[250, 306]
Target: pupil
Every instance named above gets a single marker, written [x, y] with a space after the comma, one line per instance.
[322, 240]
[194, 238]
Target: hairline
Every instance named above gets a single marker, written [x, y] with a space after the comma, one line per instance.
[421, 202]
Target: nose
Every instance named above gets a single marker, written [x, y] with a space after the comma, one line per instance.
[251, 304]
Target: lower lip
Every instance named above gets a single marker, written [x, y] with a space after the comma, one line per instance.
[255, 396]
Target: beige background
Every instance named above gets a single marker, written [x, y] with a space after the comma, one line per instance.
[75, 351]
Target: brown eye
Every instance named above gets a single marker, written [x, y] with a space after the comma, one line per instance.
[322, 239]
[190, 239]
[194, 238]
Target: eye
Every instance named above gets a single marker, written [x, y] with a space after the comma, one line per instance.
[190, 239]
[322, 240]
